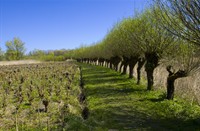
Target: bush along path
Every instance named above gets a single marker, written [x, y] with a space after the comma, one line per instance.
[117, 103]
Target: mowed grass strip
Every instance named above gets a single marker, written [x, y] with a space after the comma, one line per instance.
[117, 103]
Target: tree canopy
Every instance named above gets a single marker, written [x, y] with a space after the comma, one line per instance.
[181, 18]
[15, 49]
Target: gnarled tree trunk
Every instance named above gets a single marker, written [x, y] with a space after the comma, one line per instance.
[152, 60]
[171, 79]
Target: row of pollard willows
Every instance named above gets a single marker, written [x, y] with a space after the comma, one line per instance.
[114, 62]
[38, 96]
[120, 64]
[143, 40]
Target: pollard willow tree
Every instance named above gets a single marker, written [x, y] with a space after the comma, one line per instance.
[80, 54]
[153, 41]
[121, 46]
[181, 18]
[182, 63]
[129, 52]
[91, 53]
[111, 51]
[110, 44]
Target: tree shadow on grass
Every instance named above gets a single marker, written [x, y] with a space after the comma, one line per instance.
[103, 80]
[102, 92]
[114, 105]
[109, 85]
[133, 119]
[153, 99]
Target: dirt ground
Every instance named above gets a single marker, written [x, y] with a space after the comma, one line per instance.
[18, 62]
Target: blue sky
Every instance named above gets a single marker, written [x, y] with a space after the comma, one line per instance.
[62, 24]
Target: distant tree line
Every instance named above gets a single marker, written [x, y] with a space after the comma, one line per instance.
[48, 55]
[15, 50]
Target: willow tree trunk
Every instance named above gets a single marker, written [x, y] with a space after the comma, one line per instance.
[124, 69]
[88, 61]
[171, 79]
[150, 79]
[110, 65]
[116, 67]
[101, 61]
[115, 61]
[125, 63]
[132, 62]
[152, 60]
[141, 62]
[107, 63]
[131, 70]
[170, 88]
[122, 64]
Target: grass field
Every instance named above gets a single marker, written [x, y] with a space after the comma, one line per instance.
[117, 103]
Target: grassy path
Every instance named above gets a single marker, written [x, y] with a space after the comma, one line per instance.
[117, 103]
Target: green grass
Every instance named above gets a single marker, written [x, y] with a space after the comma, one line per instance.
[116, 102]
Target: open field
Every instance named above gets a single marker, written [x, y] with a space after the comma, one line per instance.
[19, 62]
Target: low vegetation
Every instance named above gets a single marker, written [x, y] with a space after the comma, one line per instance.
[40, 96]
